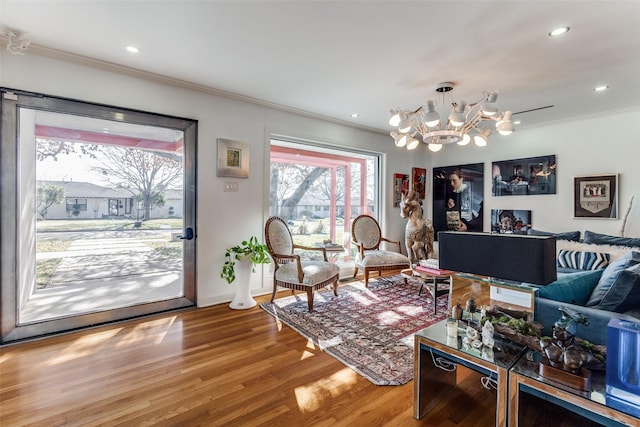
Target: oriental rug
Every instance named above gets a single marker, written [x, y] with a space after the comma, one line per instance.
[371, 330]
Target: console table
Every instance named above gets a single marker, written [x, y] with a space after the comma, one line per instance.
[535, 400]
[435, 351]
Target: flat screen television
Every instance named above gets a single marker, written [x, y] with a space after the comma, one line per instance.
[519, 258]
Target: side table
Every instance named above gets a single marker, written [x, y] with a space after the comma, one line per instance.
[438, 357]
[535, 400]
[432, 278]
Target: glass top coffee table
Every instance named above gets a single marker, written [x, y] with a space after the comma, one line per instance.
[439, 360]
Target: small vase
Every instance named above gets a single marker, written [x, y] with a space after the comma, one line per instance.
[242, 299]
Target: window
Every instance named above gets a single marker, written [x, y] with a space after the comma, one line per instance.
[78, 205]
[319, 190]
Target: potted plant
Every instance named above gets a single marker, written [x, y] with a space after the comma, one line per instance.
[246, 255]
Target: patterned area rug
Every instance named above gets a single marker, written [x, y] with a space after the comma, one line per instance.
[369, 330]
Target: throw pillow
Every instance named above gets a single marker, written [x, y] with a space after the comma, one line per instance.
[613, 250]
[624, 294]
[605, 239]
[573, 236]
[578, 260]
[612, 277]
[574, 288]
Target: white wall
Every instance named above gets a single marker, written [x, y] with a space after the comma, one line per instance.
[609, 143]
[604, 144]
[224, 218]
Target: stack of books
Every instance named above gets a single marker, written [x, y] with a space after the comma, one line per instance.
[430, 263]
[431, 266]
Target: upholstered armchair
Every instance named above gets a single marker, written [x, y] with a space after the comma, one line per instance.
[290, 271]
[367, 237]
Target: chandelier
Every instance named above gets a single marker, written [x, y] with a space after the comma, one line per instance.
[465, 121]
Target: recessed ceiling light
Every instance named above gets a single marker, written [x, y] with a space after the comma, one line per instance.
[355, 115]
[600, 88]
[560, 31]
[132, 49]
[517, 122]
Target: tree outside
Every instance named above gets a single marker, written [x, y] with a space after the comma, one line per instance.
[144, 174]
[46, 196]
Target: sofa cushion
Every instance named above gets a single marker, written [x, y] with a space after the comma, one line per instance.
[616, 284]
[573, 288]
[573, 236]
[580, 260]
[605, 239]
[624, 295]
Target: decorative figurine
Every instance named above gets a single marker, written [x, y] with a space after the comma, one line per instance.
[487, 334]
[418, 234]
[456, 311]
[564, 359]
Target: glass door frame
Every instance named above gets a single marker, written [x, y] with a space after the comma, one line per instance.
[12, 263]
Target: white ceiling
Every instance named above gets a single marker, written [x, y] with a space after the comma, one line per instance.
[335, 58]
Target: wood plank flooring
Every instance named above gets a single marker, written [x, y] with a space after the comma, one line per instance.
[207, 367]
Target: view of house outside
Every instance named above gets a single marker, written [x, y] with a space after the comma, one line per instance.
[108, 200]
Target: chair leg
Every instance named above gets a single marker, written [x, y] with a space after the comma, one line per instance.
[275, 290]
[310, 298]
[335, 287]
[366, 278]
[355, 272]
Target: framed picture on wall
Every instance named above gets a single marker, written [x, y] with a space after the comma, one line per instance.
[458, 197]
[400, 185]
[595, 196]
[521, 177]
[508, 221]
[233, 158]
[419, 182]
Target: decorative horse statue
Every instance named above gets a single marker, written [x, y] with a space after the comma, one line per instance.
[418, 234]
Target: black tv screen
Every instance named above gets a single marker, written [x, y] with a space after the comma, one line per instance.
[520, 258]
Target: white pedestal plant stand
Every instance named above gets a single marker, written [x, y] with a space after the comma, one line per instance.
[242, 299]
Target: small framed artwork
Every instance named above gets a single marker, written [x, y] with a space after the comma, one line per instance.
[507, 221]
[233, 158]
[595, 196]
[400, 185]
[419, 182]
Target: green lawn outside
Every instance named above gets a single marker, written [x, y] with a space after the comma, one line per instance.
[107, 224]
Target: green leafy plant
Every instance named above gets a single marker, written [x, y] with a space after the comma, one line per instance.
[256, 252]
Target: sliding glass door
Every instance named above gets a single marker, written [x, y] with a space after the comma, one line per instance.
[98, 210]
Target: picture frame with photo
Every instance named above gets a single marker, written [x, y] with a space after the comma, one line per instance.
[509, 221]
[458, 198]
[524, 177]
[233, 158]
[595, 196]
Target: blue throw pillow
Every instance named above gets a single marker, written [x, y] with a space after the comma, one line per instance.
[572, 288]
[625, 292]
[608, 289]
[573, 236]
[578, 260]
[605, 239]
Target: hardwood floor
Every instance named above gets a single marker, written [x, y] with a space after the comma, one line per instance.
[206, 367]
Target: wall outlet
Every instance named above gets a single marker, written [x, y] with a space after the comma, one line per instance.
[231, 187]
